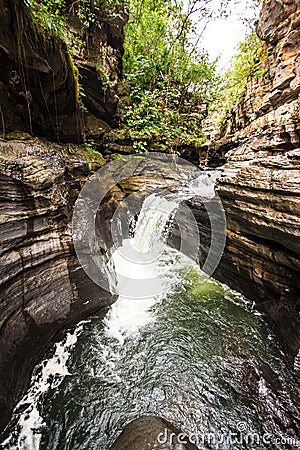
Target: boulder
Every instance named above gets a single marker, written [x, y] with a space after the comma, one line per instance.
[150, 432]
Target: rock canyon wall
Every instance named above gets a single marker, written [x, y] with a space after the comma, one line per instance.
[43, 287]
[261, 189]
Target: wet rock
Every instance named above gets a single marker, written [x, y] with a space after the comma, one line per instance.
[150, 432]
[43, 287]
[39, 90]
[261, 201]
[99, 61]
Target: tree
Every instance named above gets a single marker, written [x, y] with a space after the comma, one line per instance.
[167, 81]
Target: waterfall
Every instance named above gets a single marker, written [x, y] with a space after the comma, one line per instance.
[146, 266]
[158, 210]
[190, 358]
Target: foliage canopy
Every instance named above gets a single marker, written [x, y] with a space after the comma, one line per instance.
[169, 85]
[167, 81]
[247, 61]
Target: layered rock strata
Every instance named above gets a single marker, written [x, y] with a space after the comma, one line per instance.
[261, 189]
[43, 287]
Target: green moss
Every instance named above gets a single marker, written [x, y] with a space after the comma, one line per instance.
[93, 157]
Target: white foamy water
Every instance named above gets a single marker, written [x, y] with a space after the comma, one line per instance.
[47, 375]
[144, 262]
[204, 185]
[146, 267]
[152, 221]
[126, 317]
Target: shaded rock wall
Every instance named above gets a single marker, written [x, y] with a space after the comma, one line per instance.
[261, 189]
[43, 288]
[99, 60]
[39, 90]
[37, 83]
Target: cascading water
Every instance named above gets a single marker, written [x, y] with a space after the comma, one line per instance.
[195, 353]
[142, 263]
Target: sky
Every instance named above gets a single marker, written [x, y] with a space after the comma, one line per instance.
[221, 36]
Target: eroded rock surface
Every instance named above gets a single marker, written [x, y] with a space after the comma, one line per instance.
[262, 204]
[41, 90]
[261, 189]
[43, 288]
[150, 432]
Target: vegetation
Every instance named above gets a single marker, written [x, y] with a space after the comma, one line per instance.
[245, 62]
[169, 86]
[48, 14]
[168, 83]
[52, 16]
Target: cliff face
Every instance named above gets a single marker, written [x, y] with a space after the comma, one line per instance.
[41, 91]
[99, 59]
[267, 118]
[43, 288]
[261, 191]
